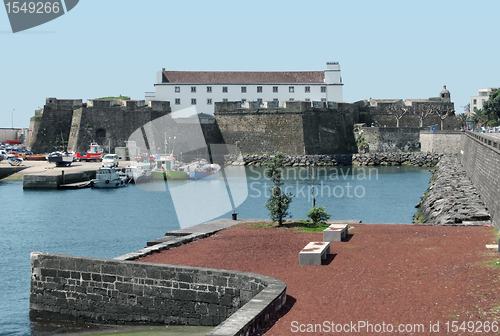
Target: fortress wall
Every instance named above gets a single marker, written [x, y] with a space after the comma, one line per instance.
[444, 142]
[263, 132]
[480, 156]
[392, 139]
[388, 120]
[127, 292]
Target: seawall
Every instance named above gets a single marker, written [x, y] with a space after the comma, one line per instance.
[480, 156]
[368, 159]
[451, 198]
[121, 291]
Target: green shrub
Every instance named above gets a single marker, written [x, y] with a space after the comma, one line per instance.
[318, 215]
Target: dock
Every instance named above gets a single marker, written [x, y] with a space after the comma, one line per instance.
[54, 179]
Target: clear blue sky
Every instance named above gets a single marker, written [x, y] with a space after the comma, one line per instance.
[386, 49]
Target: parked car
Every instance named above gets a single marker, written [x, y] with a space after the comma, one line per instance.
[110, 160]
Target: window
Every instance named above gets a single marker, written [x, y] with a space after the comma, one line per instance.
[224, 99]
[243, 101]
[209, 101]
[275, 99]
[308, 89]
[224, 89]
[193, 89]
[243, 89]
[291, 99]
[323, 89]
[323, 99]
[177, 101]
[177, 89]
[475, 102]
[193, 101]
[259, 100]
[259, 89]
[308, 99]
[291, 89]
[275, 89]
[209, 89]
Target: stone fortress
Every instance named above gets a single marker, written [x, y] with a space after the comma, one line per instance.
[295, 128]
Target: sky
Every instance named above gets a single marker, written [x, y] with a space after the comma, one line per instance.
[386, 49]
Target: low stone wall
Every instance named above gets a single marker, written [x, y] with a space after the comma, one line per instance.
[443, 142]
[128, 292]
[451, 198]
[51, 181]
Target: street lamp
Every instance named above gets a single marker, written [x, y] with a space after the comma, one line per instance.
[13, 118]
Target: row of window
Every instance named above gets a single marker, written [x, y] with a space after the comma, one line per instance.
[291, 89]
[209, 100]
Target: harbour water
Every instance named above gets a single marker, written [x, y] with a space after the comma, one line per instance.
[109, 223]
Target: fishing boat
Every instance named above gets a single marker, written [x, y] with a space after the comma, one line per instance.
[201, 169]
[108, 177]
[13, 161]
[61, 159]
[167, 168]
[93, 154]
[138, 174]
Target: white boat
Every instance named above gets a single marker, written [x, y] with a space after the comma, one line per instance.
[61, 159]
[201, 169]
[108, 177]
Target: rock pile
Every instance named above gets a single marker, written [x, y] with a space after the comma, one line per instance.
[396, 159]
[368, 159]
[451, 198]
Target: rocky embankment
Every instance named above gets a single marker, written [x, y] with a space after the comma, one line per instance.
[369, 159]
[451, 198]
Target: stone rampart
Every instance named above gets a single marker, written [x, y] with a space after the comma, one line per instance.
[128, 292]
[295, 129]
[444, 142]
[480, 156]
[391, 139]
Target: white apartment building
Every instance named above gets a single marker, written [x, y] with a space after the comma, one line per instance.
[476, 103]
[201, 89]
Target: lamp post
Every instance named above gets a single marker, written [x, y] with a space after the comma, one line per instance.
[13, 118]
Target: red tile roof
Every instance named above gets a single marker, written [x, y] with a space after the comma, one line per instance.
[243, 77]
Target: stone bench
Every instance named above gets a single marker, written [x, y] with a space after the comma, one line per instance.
[313, 252]
[335, 232]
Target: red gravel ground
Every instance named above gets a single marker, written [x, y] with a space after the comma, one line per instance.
[392, 274]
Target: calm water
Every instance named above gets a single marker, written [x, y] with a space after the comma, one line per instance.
[110, 223]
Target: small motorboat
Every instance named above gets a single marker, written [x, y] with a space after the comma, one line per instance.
[108, 177]
[201, 169]
[13, 161]
[61, 159]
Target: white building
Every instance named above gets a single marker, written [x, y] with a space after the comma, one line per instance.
[476, 103]
[202, 89]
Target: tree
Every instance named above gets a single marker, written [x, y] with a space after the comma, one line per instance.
[423, 111]
[279, 201]
[462, 118]
[443, 114]
[491, 107]
[398, 111]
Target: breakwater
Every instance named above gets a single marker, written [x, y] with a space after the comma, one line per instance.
[368, 159]
[451, 198]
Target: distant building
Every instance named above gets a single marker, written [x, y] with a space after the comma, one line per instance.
[476, 103]
[202, 89]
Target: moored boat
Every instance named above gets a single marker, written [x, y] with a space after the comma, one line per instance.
[167, 168]
[93, 154]
[201, 169]
[108, 177]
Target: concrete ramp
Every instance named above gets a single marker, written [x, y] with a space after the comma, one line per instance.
[7, 171]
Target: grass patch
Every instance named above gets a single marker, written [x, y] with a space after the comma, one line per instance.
[152, 331]
[496, 263]
[120, 97]
[297, 225]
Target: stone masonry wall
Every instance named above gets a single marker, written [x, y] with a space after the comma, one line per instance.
[480, 156]
[391, 139]
[387, 120]
[127, 292]
[444, 142]
[297, 129]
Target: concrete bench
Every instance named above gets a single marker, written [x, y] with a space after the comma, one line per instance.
[313, 252]
[335, 232]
